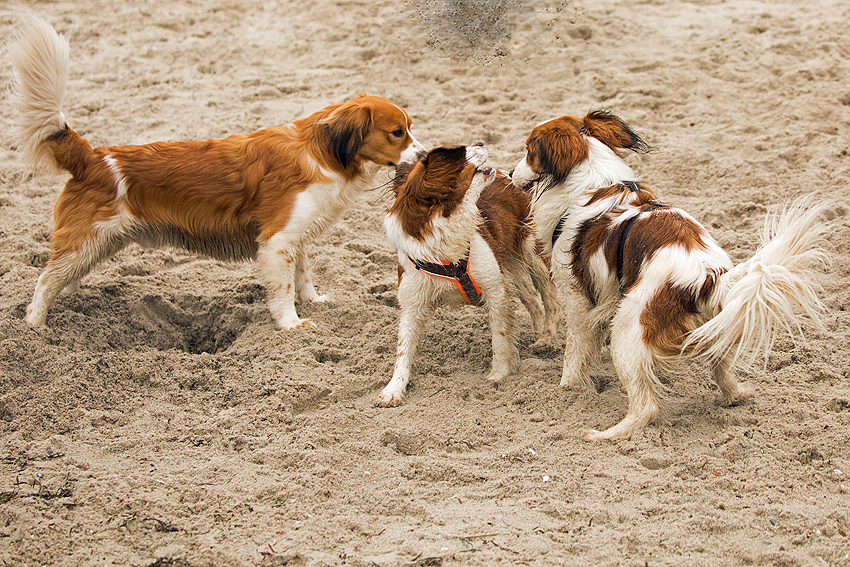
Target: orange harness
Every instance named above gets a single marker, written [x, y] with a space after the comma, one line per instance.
[458, 273]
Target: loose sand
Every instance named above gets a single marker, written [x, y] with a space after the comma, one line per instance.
[160, 418]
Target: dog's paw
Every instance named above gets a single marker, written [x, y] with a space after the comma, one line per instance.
[310, 296]
[497, 376]
[742, 394]
[71, 288]
[592, 435]
[543, 345]
[34, 318]
[575, 381]
[386, 399]
[295, 323]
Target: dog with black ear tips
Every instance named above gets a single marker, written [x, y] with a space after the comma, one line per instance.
[463, 235]
[650, 275]
[258, 196]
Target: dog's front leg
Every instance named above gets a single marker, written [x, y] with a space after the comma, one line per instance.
[582, 340]
[416, 310]
[277, 260]
[304, 278]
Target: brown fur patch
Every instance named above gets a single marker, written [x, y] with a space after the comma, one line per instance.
[613, 132]
[669, 316]
[555, 147]
[244, 185]
[435, 185]
[505, 209]
[649, 233]
[591, 236]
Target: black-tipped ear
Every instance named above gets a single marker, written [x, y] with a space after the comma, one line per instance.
[613, 132]
[346, 128]
[447, 154]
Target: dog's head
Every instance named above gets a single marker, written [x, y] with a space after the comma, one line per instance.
[437, 185]
[555, 147]
[369, 129]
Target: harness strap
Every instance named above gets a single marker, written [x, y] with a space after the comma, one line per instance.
[622, 244]
[559, 228]
[458, 273]
[633, 187]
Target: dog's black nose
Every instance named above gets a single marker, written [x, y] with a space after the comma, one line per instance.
[478, 144]
[511, 174]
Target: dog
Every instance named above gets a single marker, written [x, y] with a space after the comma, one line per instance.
[650, 274]
[258, 196]
[463, 235]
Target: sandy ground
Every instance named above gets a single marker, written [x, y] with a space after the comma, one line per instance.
[160, 419]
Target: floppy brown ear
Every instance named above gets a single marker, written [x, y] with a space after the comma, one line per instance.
[613, 132]
[557, 150]
[346, 129]
[439, 160]
[426, 177]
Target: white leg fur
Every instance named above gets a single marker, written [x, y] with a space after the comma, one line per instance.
[733, 391]
[528, 296]
[548, 293]
[65, 272]
[633, 362]
[582, 340]
[416, 310]
[304, 278]
[277, 261]
[501, 328]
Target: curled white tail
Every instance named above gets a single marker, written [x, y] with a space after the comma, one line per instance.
[769, 292]
[40, 59]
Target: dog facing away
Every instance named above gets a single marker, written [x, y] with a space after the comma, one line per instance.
[651, 274]
[256, 196]
[463, 235]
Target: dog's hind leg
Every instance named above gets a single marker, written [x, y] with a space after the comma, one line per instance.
[633, 362]
[525, 290]
[65, 269]
[501, 326]
[542, 281]
[733, 391]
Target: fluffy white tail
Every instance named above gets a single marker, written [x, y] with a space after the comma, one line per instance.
[767, 293]
[40, 61]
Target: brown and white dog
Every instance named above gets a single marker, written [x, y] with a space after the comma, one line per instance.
[255, 196]
[650, 273]
[463, 235]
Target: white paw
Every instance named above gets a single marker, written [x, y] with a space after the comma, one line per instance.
[573, 381]
[35, 319]
[71, 288]
[744, 392]
[497, 376]
[312, 297]
[295, 323]
[388, 398]
[544, 343]
[592, 435]
[477, 155]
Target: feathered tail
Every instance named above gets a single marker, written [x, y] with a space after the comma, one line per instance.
[767, 293]
[40, 59]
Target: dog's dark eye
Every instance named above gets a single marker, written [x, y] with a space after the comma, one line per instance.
[397, 132]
